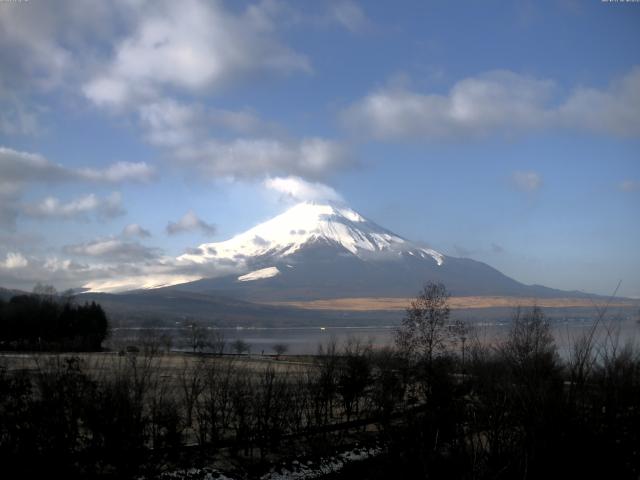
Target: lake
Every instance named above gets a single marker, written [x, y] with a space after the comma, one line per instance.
[305, 340]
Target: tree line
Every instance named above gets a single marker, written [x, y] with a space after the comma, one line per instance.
[48, 321]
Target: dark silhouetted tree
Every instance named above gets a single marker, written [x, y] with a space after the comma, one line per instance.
[423, 331]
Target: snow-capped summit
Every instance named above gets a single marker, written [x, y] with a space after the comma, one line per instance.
[307, 224]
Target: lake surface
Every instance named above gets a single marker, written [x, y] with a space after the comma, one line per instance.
[305, 340]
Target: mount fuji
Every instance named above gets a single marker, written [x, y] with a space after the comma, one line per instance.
[327, 251]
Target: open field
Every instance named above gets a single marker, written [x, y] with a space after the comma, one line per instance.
[171, 365]
[390, 303]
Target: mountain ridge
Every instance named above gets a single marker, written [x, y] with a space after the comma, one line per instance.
[319, 250]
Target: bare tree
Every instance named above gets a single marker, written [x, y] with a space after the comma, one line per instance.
[530, 340]
[197, 336]
[167, 342]
[149, 341]
[217, 342]
[460, 333]
[354, 375]
[240, 346]
[326, 381]
[215, 410]
[191, 384]
[423, 331]
[280, 349]
[583, 357]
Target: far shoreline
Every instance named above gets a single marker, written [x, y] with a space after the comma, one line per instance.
[364, 304]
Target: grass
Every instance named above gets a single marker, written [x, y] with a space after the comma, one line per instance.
[360, 304]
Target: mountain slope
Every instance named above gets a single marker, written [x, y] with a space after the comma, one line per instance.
[306, 224]
[323, 251]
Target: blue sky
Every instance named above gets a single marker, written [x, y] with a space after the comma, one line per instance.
[508, 132]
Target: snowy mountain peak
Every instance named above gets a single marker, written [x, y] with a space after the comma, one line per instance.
[307, 223]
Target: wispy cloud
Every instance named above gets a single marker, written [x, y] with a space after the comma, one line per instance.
[21, 170]
[18, 168]
[497, 101]
[527, 181]
[135, 230]
[350, 15]
[250, 158]
[113, 250]
[170, 123]
[119, 172]
[630, 186]
[24, 272]
[262, 148]
[190, 222]
[296, 188]
[78, 208]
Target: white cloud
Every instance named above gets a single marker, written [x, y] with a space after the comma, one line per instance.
[62, 273]
[615, 110]
[189, 223]
[138, 57]
[114, 268]
[191, 46]
[113, 250]
[135, 230]
[51, 46]
[169, 123]
[473, 106]
[126, 53]
[119, 172]
[79, 208]
[184, 130]
[497, 101]
[32, 53]
[14, 260]
[300, 190]
[349, 15]
[248, 158]
[116, 265]
[527, 181]
[18, 168]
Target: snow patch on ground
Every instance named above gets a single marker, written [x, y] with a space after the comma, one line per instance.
[437, 256]
[193, 474]
[300, 471]
[295, 470]
[259, 274]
